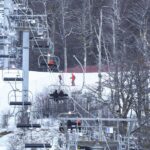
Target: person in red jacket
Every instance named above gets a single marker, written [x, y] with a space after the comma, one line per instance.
[73, 79]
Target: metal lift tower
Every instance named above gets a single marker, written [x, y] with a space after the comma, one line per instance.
[23, 20]
[6, 33]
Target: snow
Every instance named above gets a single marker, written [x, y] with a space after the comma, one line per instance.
[38, 82]
[4, 142]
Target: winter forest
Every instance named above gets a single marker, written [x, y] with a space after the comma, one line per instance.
[106, 109]
[118, 30]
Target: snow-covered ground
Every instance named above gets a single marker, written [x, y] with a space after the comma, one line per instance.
[38, 82]
[4, 142]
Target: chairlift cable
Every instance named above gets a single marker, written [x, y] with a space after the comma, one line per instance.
[35, 39]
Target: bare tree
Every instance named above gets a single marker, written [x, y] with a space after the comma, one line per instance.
[65, 27]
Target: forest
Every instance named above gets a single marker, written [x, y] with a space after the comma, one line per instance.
[112, 33]
[97, 32]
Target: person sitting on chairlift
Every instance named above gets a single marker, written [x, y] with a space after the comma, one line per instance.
[62, 94]
[55, 95]
[61, 128]
[59, 95]
[78, 124]
[51, 62]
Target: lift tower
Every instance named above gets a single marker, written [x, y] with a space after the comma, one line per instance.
[7, 35]
[27, 24]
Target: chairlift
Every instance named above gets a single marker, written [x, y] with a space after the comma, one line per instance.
[11, 75]
[13, 79]
[15, 98]
[20, 103]
[12, 63]
[49, 61]
[11, 58]
[60, 87]
[28, 119]
[70, 124]
[2, 34]
[35, 143]
[40, 30]
[59, 96]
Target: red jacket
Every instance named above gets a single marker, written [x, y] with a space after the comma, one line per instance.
[73, 77]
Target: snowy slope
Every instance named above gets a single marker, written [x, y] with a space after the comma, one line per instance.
[4, 142]
[38, 82]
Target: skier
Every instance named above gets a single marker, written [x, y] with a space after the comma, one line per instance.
[73, 79]
[60, 79]
[69, 124]
[61, 129]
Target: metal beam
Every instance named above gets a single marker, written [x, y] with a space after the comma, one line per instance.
[25, 66]
[38, 145]
[32, 16]
[101, 119]
[19, 125]
[20, 103]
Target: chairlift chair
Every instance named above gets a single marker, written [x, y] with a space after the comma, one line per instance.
[12, 62]
[3, 36]
[25, 119]
[23, 125]
[38, 145]
[11, 59]
[40, 29]
[59, 96]
[15, 98]
[49, 61]
[35, 143]
[20, 103]
[11, 75]
[71, 124]
[13, 79]
[60, 87]
[84, 148]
